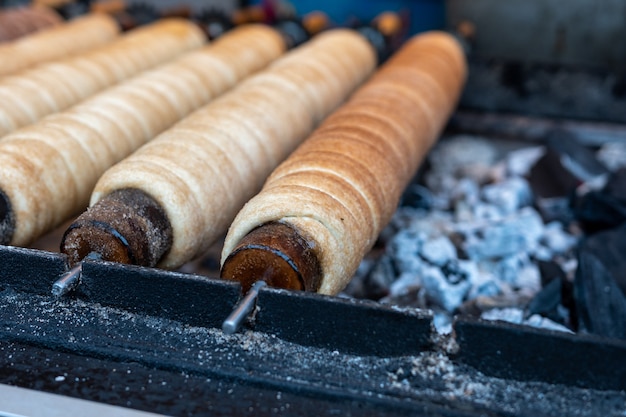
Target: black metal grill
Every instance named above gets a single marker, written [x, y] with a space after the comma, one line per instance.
[150, 340]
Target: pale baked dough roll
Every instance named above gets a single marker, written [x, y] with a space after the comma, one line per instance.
[205, 168]
[78, 35]
[342, 185]
[29, 95]
[48, 170]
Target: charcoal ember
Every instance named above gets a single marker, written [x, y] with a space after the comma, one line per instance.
[373, 279]
[600, 283]
[445, 290]
[514, 234]
[466, 190]
[555, 208]
[516, 315]
[557, 240]
[487, 212]
[509, 195]
[549, 178]
[519, 272]
[461, 152]
[417, 196]
[555, 301]
[404, 249]
[486, 285]
[612, 155]
[520, 161]
[405, 284]
[430, 223]
[463, 156]
[438, 251]
[604, 209]
[565, 165]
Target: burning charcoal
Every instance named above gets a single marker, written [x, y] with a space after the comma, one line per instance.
[600, 283]
[577, 159]
[545, 323]
[510, 315]
[516, 315]
[484, 284]
[417, 196]
[517, 233]
[466, 190]
[548, 178]
[547, 303]
[446, 292]
[376, 284]
[565, 165]
[489, 212]
[405, 284]
[612, 155]
[462, 151]
[438, 251]
[519, 272]
[557, 240]
[519, 162]
[404, 249]
[604, 209]
[509, 195]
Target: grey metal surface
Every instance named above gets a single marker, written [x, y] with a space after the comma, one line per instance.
[587, 33]
[22, 402]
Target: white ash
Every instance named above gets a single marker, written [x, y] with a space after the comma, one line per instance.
[473, 235]
[520, 161]
[613, 155]
[517, 316]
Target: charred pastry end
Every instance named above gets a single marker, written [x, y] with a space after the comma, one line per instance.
[277, 254]
[127, 226]
[7, 219]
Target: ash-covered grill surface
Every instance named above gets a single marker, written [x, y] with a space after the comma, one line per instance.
[157, 347]
[87, 350]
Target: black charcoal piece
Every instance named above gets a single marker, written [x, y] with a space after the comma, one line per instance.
[604, 209]
[522, 353]
[29, 270]
[346, 325]
[547, 301]
[565, 165]
[556, 299]
[191, 299]
[600, 283]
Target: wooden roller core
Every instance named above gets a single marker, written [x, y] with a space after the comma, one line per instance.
[27, 96]
[78, 35]
[48, 170]
[277, 254]
[202, 171]
[341, 186]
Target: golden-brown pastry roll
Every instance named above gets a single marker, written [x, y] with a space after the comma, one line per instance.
[48, 170]
[27, 96]
[202, 171]
[78, 35]
[337, 191]
[16, 22]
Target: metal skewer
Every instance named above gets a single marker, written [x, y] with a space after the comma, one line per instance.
[243, 309]
[68, 281]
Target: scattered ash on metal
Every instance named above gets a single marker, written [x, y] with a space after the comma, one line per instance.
[143, 353]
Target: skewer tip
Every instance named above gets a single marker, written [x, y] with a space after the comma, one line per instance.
[234, 321]
[68, 281]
